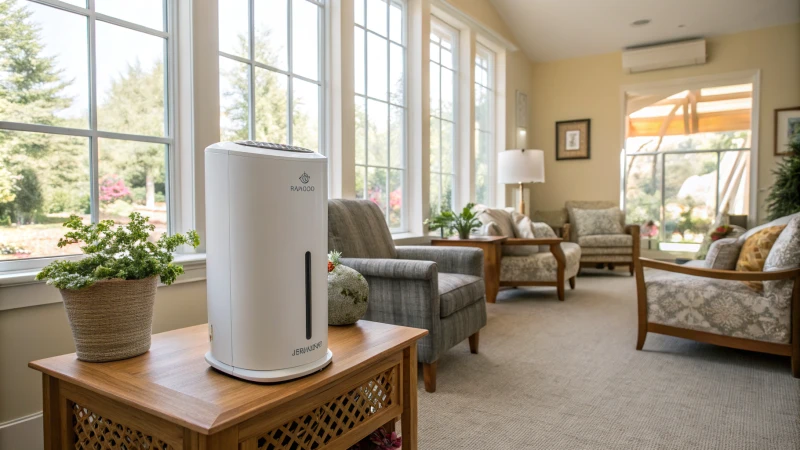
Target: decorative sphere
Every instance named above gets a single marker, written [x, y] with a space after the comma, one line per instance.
[348, 293]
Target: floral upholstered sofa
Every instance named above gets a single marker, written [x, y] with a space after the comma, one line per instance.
[709, 301]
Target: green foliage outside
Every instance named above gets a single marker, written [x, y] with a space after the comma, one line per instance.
[462, 223]
[122, 252]
[784, 197]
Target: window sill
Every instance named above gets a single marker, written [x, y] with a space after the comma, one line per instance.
[194, 266]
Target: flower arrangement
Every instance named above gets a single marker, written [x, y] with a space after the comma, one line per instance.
[334, 259]
[462, 223]
[379, 440]
[121, 252]
[721, 232]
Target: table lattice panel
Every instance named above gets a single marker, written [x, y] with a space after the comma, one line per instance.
[335, 417]
[96, 432]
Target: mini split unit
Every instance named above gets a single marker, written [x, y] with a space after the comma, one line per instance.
[664, 56]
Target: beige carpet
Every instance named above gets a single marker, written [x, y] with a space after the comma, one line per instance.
[553, 375]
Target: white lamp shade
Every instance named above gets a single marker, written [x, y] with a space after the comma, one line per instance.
[520, 166]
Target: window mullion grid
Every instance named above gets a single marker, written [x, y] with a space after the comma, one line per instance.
[252, 69]
[290, 81]
[388, 108]
[94, 153]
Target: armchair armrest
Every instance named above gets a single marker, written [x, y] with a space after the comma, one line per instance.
[565, 230]
[392, 268]
[720, 274]
[463, 260]
[633, 230]
[535, 241]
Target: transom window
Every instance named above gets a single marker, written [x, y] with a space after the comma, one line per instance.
[443, 86]
[484, 125]
[85, 122]
[380, 107]
[271, 65]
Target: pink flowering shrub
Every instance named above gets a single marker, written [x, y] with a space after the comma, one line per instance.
[113, 187]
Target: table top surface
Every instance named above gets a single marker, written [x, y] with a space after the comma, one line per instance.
[174, 382]
[471, 239]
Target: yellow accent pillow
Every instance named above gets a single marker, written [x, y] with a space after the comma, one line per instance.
[755, 251]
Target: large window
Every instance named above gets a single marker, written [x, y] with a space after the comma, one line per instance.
[443, 87]
[85, 123]
[271, 65]
[687, 159]
[484, 125]
[380, 106]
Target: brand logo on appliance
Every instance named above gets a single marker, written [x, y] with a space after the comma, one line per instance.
[304, 178]
[304, 350]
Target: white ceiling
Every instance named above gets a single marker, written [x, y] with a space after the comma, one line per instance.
[547, 30]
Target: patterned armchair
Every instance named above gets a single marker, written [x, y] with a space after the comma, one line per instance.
[620, 248]
[708, 301]
[440, 289]
[532, 255]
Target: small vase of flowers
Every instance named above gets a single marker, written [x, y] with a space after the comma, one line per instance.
[109, 294]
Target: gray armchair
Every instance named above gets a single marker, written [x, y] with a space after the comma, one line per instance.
[440, 289]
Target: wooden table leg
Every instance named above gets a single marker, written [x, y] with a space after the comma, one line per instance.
[491, 271]
[51, 412]
[409, 418]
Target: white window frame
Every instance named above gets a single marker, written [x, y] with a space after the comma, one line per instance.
[440, 26]
[491, 132]
[690, 83]
[365, 98]
[94, 134]
[252, 64]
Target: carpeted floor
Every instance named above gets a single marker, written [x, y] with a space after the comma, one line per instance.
[565, 375]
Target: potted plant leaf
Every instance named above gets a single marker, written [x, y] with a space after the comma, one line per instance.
[109, 294]
[462, 223]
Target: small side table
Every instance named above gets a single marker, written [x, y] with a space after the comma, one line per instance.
[491, 258]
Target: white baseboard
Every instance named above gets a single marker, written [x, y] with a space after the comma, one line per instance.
[24, 433]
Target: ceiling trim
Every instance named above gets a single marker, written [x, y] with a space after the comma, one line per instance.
[444, 8]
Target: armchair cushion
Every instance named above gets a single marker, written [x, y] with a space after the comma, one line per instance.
[597, 221]
[540, 266]
[357, 228]
[606, 240]
[785, 254]
[457, 291]
[723, 307]
[723, 254]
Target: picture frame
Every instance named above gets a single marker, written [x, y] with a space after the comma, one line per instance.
[787, 124]
[573, 139]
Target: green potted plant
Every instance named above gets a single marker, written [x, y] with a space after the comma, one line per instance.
[784, 197]
[109, 294]
[462, 223]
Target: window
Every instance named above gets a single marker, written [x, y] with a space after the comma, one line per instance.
[687, 160]
[443, 88]
[85, 122]
[270, 64]
[380, 106]
[484, 125]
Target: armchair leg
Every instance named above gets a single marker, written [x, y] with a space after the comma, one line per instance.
[631, 267]
[641, 337]
[572, 283]
[429, 376]
[795, 367]
[474, 340]
[560, 288]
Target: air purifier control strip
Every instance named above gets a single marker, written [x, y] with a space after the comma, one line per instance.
[308, 295]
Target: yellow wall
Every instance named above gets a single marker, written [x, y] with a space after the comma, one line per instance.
[590, 87]
[31, 333]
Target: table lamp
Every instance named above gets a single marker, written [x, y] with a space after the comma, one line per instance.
[520, 166]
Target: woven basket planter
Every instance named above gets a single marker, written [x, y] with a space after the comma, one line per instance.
[112, 319]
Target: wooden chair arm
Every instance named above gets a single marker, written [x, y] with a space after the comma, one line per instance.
[721, 274]
[536, 241]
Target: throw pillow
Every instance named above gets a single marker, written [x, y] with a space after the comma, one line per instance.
[755, 251]
[597, 221]
[501, 218]
[723, 254]
[785, 254]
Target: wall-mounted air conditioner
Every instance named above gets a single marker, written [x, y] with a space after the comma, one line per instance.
[664, 56]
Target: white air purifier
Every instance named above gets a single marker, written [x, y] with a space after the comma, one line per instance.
[266, 246]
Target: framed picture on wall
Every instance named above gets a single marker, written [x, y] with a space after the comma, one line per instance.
[573, 139]
[787, 128]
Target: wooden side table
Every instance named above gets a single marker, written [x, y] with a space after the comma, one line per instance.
[170, 399]
[491, 246]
